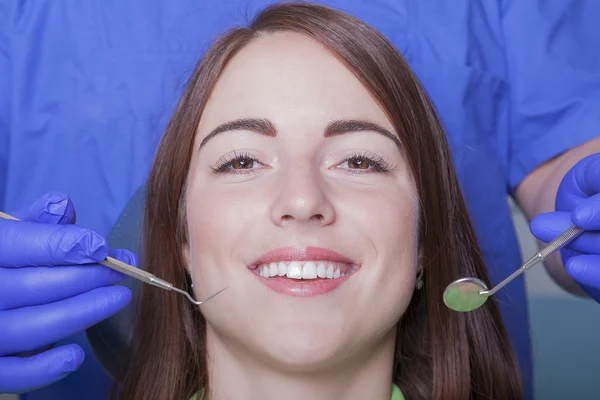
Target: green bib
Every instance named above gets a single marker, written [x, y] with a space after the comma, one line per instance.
[396, 394]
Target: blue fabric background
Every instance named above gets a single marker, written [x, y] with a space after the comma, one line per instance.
[87, 87]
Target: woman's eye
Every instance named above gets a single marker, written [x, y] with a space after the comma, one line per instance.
[237, 164]
[365, 163]
[242, 163]
[358, 163]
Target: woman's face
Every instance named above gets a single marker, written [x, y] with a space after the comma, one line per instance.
[300, 202]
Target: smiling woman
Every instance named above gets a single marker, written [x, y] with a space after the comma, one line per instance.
[305, 169]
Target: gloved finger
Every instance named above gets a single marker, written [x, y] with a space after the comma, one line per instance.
[32, 286]
[124, 255]
[25, 244]
[30, 328]
[546, 227]
[566, 254]
[18, 375]
[50, 208]
[585, 269]
[586, 214]
[579, 183]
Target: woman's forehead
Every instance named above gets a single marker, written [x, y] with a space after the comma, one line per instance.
[290, 79]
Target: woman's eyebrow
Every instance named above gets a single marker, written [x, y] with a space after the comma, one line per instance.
[258, 125]
[265, 127]
[341, 127]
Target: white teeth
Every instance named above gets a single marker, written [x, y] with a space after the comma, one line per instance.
[322, 270]
[303, 270]
[294, 270]
[309, 271]
[330, 271]
[281, 269]
[273, 269]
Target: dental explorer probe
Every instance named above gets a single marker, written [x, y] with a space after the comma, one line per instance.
[139, 274]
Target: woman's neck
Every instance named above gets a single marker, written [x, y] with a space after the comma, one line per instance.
[237, 373]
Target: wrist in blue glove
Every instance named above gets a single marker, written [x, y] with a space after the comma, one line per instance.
[577, 202]
[51, 287]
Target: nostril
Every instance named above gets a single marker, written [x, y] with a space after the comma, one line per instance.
[313, 218]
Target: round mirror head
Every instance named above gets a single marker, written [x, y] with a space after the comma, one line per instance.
[464, 295]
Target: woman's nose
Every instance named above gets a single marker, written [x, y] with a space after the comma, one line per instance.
[301, 197]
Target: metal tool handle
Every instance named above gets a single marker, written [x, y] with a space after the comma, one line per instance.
[559, 242]
[136, 273]
[120, 266]
[569, 235]
[6, 216]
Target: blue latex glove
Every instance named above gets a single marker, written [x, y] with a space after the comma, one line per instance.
[47, 295]
[577, 202]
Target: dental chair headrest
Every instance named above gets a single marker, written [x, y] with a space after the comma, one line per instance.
[110, 339]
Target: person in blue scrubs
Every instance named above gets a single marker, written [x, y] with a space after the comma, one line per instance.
[86, 89]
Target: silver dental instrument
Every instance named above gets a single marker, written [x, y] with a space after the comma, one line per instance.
[139, 274]
[468, 294]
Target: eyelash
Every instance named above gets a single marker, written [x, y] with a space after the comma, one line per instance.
[378, 163]
[223, 165]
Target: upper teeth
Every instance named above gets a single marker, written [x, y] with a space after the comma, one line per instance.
[303, 270]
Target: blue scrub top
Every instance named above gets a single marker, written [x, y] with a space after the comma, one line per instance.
[87, 87]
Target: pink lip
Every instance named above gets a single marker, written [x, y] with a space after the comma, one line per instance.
[299, 287]
[302, 288]
[301, 254]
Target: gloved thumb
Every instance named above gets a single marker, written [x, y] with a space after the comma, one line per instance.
[586, 214]
[579, 183]
[584, 269]
[51, 208]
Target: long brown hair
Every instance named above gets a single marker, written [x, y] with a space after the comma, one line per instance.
[440, 354]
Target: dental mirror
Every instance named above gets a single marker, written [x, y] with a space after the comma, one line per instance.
[465, 294]
[468, 294]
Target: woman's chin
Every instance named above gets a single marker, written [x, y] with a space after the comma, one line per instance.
[301, 342]
[303, 350]
[300, 357]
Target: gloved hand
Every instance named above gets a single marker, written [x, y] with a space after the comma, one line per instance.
[47, 294]
[577, 202]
